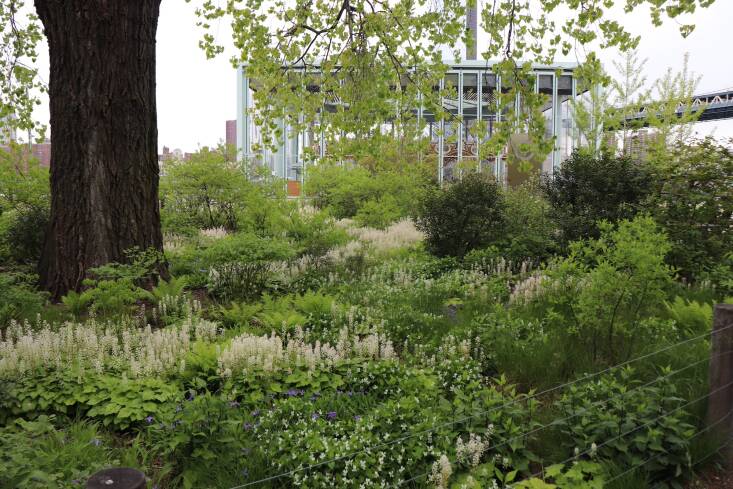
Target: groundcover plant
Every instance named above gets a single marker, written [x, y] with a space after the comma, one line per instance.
[299, 349]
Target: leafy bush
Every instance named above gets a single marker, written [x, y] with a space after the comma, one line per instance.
[586, 189]
[601, 301]
[530, 232]
[210, 192]
[378, 197]
[240, 265]
[18, 299]
[203, 431]
[313, 233]
[115, 402]
[628, 423]
[466, 215]
[379, 213]
[37, 455]
[24, 206]
[112, 288]
[694, 204]
[578, 475]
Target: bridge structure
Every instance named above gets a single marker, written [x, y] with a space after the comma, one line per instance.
[715, 106]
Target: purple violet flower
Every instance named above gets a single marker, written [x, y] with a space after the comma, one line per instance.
[315, 416]
[149, 419]
[256, 413]
[247, 426]
[331, 415]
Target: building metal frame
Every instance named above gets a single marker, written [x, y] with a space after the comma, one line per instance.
[474, 83]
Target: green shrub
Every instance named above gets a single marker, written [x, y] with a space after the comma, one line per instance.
[204, 441]
[605, 295]
[241, 265]
[347, 192]
[628, 422]
[313, 234]
[116, 402]
[19, 300]
[466, 215]
[210, 192]
[22, 233]
[530, 232]
[24, 206]
[239, 314]
[694, 204]
[578, 475]
[586, 189]
[37, 455]
[114, 287]
[379, 213]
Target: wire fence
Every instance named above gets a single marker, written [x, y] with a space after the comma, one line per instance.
[523, 399]
[699, 433]
[604, 402]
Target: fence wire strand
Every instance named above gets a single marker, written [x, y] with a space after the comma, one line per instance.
[554, 422]
[657, 455]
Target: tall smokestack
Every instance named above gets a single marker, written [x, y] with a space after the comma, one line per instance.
[471, 28]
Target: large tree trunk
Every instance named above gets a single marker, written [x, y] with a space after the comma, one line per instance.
[104, 164]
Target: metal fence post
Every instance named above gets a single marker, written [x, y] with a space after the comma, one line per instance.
[117, 478]
[720, 403]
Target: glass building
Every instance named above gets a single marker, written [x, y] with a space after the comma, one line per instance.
[473, 89]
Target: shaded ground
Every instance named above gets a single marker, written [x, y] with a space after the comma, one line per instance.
[714, 478]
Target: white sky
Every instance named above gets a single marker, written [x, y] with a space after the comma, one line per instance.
[196, 96]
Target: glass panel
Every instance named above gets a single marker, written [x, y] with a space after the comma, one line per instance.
[565, 85]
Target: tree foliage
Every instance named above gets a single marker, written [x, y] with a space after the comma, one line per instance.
[210, 192]
[586, 189]
[466, 215]
[20, 85]
[372, 60]
[694, 203]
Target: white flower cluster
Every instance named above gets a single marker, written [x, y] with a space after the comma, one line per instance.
[470, 452]
[102, 347]
[342, 253]
[401, 234]
[528, 289]
[176, 306]
[440, 475]
[270, 353]
[214, 233]
[173, 242]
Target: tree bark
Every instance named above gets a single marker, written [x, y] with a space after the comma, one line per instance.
[104, 137]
